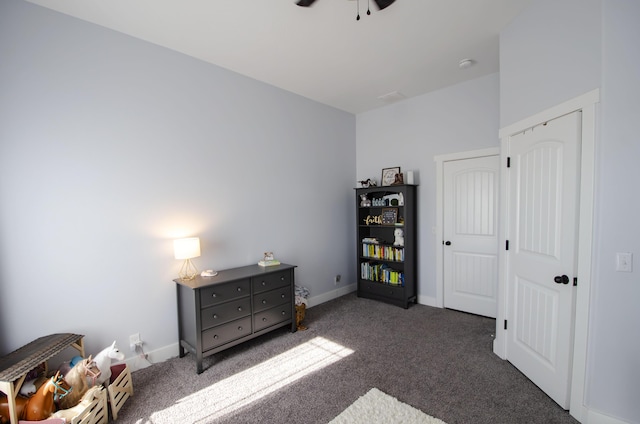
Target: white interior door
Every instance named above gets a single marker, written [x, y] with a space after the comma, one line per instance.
[543, 215]
[470, 269]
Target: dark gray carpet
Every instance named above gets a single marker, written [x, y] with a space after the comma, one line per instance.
[437, 360]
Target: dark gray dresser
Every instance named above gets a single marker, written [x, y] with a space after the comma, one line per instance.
[215, 313]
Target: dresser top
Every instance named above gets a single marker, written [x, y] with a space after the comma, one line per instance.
[232, 274]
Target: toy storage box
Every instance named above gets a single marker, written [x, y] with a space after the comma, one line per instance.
[120, 389]
[96, 412]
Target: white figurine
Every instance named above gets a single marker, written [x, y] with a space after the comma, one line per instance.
[399, 237]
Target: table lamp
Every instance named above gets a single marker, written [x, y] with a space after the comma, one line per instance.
[187, 248]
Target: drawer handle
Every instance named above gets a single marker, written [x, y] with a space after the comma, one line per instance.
[215, 337]
[239, 308]
[282, 278]
[240, 328]
[214, 295]
[283, 295]
[264, 283]
[264, 301]
[215, 316]
[264, 320]
[239, 289]
[283, 313]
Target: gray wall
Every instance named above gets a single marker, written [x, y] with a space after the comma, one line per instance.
[111, 147]
[587, 45]
[410, 133]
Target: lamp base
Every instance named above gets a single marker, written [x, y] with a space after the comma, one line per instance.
[187, 271]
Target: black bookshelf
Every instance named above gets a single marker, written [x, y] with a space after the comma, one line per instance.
[385, 271]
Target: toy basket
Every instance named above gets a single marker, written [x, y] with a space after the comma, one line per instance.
[91, 410]
[96, 412]
[300, 313]
[120, 389]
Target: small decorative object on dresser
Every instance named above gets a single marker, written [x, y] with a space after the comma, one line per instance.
[268, 260]
[389, 175]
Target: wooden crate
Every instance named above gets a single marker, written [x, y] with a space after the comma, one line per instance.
[96, 412]
[88, 411]
[120, 389]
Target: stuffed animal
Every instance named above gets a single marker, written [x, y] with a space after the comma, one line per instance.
[399, 237]
[364, 202]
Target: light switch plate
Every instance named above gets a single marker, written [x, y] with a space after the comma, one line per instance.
[624, 261]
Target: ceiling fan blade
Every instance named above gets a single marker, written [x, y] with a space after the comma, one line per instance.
[305, 3]
[383, 3]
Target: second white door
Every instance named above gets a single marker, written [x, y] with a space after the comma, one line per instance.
[471, 235]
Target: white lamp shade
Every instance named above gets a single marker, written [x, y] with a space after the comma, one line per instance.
[186, 248]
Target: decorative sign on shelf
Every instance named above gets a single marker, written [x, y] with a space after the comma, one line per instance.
[389, 216]
[373, 220]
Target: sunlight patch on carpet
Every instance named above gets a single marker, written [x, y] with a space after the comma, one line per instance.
[378, 407]
[250, 385]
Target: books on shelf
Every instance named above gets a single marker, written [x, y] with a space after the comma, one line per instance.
[270, 262]
[382, 274]
[377, 251]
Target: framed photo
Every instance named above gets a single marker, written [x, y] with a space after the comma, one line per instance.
[389, 175]
[389, 216]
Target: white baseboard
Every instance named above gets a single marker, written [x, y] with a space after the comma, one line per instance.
[333, 294]
[159, 355]
[594, 417]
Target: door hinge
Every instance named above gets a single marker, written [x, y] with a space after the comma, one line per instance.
[505, 324]
[575, 281]
[508, 162]
[507, 245]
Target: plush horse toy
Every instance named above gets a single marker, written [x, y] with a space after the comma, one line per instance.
[103, 362]
[76, 382]
[35, 408]
[70, 413]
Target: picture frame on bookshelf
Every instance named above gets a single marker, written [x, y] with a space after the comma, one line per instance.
[389, 175]
[389, 216]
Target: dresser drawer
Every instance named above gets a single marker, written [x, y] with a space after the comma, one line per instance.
[217, 336]
[271, 298]
[382, 289]
[272, 316]
[271, 281]
[224, 292]
[225, 312]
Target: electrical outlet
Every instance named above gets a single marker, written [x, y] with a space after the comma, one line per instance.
[134, 341]
[337, 279]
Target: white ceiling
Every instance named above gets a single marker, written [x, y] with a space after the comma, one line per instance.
[320, 52]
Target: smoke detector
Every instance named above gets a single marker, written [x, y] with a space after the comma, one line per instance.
[466, 63]
[394, 96]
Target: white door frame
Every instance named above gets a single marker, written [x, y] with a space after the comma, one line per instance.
[587, 104]
[438, 230]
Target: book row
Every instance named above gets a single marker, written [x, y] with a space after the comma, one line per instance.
[377, 251]
[382, 274]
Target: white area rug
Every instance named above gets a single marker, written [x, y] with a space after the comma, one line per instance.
[378, 407]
